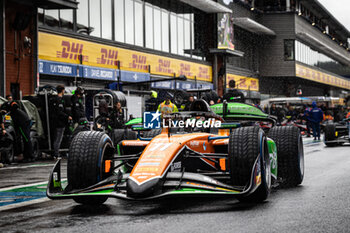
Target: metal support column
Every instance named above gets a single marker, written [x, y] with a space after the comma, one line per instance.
[3, 51]
[35, 52]
[215, 72]
[224, 76]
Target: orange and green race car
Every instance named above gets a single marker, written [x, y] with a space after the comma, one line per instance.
[229, 158]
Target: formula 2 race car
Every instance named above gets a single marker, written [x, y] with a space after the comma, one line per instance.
[337, 134]
[232, 159]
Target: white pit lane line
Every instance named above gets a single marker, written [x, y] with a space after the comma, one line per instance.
[28, 166]
[25, 203]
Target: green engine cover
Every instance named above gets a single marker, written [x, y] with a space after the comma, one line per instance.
[273, 157]
[239, 109]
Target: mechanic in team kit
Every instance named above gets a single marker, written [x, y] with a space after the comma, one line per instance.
[316, 117]
[233, 95]
[2, 125]
[116, 116]
[3, 131]
[188, 104]
[9, 98]
[167, 107]
[22, 124]
[347, 118]
[307, 118]
[60, 118]
[78, 108]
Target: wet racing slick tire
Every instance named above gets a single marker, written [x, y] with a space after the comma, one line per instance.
[152, 133]
[290, 154]
[245, 146]
[123, 134]
[329, 135]
[86, 163]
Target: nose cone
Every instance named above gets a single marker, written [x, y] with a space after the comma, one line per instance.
[146, 189]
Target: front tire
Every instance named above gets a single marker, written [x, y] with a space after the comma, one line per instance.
[86, 163]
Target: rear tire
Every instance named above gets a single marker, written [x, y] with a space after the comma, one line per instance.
[329, 135]
[245, 145]
[152, 133]
[87, 153]
[290, 154]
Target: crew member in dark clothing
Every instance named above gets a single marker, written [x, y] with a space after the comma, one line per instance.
[233, 95]
[117, 116]
[78, 108]
[189, 103]
[2, 126]
[60, 118]
[291, 115]
[22, 124]
[307, 118]
[316, 118]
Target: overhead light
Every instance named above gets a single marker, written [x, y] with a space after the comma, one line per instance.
[299, 13]
[252, 8]
[341, 44]
[313, 24]
[347, 49]
[324, 32]
[333, 38]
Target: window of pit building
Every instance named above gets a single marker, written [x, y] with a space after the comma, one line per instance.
[307, 55]
[106, 19]
[66, 19]
[133, 18]
[56, 18]
[162, 25]
[95, 17]
[83, 17]
[289, 53]
[51, 18]
[119, 21]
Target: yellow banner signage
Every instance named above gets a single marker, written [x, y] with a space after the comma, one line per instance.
[243, 83]
[321, 77]
[66, 49]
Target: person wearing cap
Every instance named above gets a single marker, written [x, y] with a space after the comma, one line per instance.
[22, 124]
[233, 95]
[77, 104]
[117, 116]
[347, 118]
[167, 107]
[307, 118]
[316, 117]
